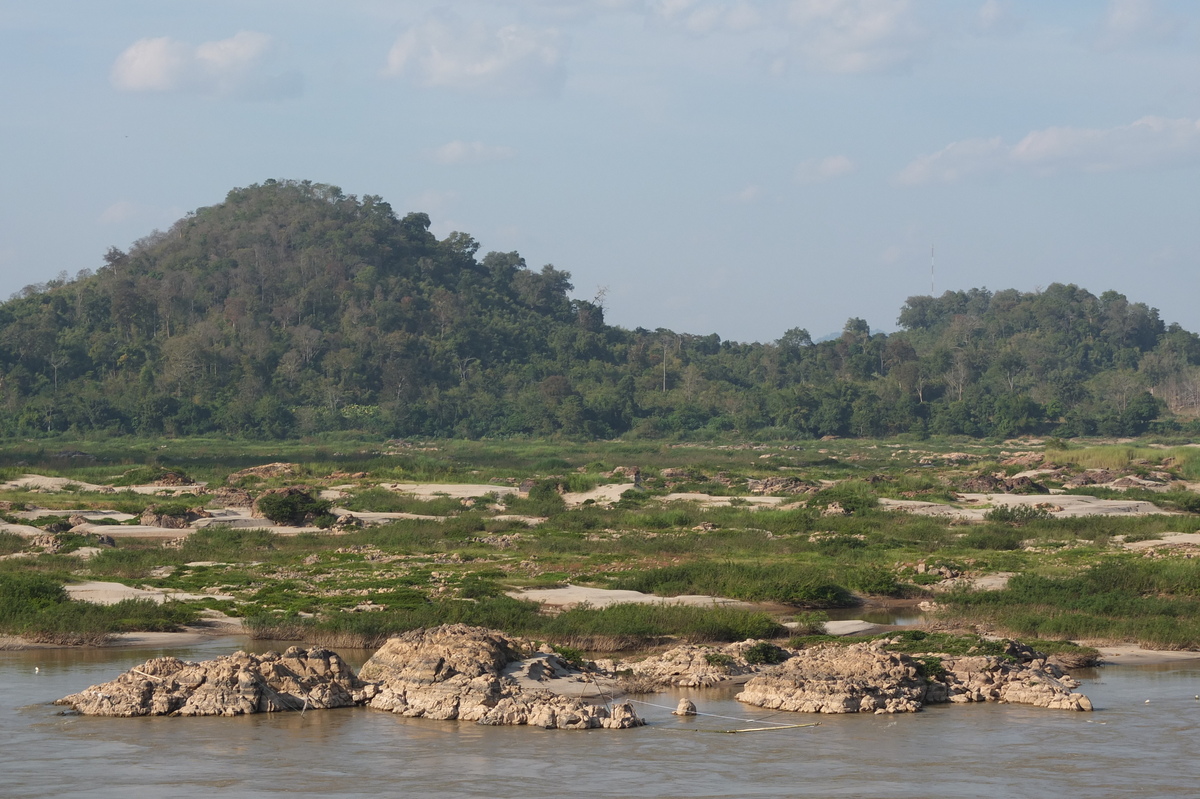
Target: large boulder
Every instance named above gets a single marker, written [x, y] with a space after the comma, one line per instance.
[473, 674]
[264, 472]
[231, 685]
[690, 666]
[227, 497]
[153, 516]
[867, 678]
[861, 678]
[987, 678]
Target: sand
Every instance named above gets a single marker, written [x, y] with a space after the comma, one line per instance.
[972, 507]
[1167, 540]
[572, 595]
[1134, 655]
[103, 593]
[710, 501]
[41, 482]
[601, 495]
[458, 490]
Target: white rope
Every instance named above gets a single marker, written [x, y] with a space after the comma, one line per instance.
[715, 715]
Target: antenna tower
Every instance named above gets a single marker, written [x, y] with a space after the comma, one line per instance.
[931, 291]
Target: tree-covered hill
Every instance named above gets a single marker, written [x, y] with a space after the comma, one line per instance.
[292, 308]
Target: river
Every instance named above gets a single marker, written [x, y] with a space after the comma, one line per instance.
[1143, 740]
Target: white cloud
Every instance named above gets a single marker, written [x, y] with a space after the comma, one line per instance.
[1133, 22]
[1147, 143]
[822, 169]
[433, 201]
[119, 211]
[709, 16]
[473, 152]
[854, 36]
[446, 52]
[996, 18]
[126, 211]
[846, 36]
[233, 66]
[748, 194]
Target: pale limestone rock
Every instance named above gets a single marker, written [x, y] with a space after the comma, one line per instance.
[686, 708]
[473, 674]
[693, 666]
[860, 678]
[232, 685]
[866, 678]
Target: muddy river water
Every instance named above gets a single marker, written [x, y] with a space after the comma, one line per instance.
[1143, 740]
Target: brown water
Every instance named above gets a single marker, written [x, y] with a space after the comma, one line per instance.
[1126, 748]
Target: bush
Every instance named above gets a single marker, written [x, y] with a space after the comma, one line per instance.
[853, 495]
[1016, 514]
[765, 653]
[574, 657]
[810, 623]
[293, 508]
[719, 659]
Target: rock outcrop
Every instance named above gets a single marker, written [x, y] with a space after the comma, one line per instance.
[473, 674]
[860, 678]
[231, 685]
[1024, 677]
[689, 666]
[781, 485]
[227, 497]
[990, 484]
[264, 472]
[152, 517]
[866, 678]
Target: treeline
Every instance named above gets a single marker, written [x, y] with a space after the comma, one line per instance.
[292, 308]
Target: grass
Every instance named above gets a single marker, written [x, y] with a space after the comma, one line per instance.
[382, 500]
[1133, 459]
[37, 608]
[798, 585]
[1155, 603]
[614, 628]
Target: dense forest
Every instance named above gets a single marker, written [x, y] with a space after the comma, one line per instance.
[292, 309]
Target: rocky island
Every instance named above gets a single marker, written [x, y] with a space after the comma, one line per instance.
[458, 672]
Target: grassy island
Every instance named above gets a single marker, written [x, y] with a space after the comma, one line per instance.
[1087, 540]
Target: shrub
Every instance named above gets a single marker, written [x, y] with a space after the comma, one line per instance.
[719, 659]
[931, 667]
[574, 657]
[810, 623]
[293, 507]
[1016, 514]
[765, 653]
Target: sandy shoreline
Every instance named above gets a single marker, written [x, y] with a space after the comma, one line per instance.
[1134, 655]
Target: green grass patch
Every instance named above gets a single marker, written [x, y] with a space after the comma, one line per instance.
[36, 607]
[795, 584]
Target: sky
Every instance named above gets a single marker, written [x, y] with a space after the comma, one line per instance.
[708, 166]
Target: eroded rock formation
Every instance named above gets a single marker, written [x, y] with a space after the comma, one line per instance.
[860, 678]
[231, 685]
[689, 666]
[866, 678]
[472, 674]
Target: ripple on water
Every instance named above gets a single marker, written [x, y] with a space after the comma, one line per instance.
[1126, 748]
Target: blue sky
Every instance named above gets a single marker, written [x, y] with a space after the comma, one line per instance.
[732, 167]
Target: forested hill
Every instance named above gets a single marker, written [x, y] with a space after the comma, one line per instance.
[292, 308]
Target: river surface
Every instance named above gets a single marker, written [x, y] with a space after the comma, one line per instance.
[1143, 740]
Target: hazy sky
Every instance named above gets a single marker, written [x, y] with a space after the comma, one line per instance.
[732, 167]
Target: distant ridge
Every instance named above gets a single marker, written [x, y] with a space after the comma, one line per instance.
[292, 309]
